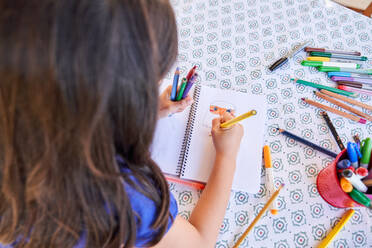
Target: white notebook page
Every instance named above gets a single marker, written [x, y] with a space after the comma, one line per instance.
[201, 153]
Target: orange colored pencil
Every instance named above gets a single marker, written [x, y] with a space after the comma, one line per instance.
[335, 111]
[344, 98]
[195, 185]
[343, 105]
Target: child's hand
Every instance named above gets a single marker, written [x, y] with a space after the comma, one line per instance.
[167, 107]
[226, 140]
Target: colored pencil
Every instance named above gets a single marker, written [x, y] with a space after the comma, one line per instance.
[335, 111]
[339, 56]
[313, 49]
[354, 90]
[270, 178]
[231, 122]
[343, 105]
[345, 218]
[182, 89]
[189, 85]
[308, 143]
[191, 73]
[192, 184]
[352, 101]
[319, 86]
[258, 217]
[333, 131]
[175, 84]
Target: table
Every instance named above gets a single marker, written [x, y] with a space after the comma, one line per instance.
[233, 42]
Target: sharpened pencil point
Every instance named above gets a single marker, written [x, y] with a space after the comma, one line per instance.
[303, 99]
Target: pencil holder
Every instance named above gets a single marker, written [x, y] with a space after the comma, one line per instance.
[329, 188]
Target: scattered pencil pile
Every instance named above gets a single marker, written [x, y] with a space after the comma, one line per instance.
[351, 171]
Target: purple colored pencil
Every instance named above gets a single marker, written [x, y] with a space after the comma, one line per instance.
[189, 85]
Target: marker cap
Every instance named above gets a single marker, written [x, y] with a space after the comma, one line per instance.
[353, 156]
[366, 152]
[343, 164]
[360, 197]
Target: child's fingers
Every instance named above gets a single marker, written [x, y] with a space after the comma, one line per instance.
[226, 117]
[216, 123]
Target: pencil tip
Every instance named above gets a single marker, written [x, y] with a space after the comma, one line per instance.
[283, 184]
[303, 98]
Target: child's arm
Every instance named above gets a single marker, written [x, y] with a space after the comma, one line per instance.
[203, 226]
[167, 107]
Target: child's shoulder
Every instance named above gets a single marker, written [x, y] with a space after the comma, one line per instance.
[145, 209]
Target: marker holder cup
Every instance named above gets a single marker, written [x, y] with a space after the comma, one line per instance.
[329, 188]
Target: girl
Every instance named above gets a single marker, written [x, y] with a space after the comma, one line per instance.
[78, 109]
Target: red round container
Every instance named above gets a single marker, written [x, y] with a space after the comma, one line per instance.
[329, 187]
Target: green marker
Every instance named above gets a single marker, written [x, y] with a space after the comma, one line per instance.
[338, 56]
[360, 198]
[182, 89]
[343, 69]
[333, 64]
[320, 86]
[366, 152]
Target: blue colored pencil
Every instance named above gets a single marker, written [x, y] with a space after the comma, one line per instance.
[175, 84]
[306, 142]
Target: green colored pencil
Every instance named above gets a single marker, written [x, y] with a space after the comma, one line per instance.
[319, 86]
[182, 89]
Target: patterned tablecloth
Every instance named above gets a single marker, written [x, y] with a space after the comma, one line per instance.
[233, 42]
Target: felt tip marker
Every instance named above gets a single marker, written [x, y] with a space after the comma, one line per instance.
[366, 152]
[313, 49]
[270, 178]
[352, 79]
[325, 59]
[175, 84]
[285, 59]
[355, 85]
[353, 154]
[330, 64]
[354, 90]
[338, 56]
[344, 69]
[348, 74]
[360, 198]
[354, 180]
[343, 164]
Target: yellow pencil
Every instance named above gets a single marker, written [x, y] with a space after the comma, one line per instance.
[237, 119]
[263, 210]
[337, 228]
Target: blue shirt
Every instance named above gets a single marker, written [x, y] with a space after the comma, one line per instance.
[146, 210]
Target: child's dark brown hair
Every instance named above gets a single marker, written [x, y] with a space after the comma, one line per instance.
[79, 85]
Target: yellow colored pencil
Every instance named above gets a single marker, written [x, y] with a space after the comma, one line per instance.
[263, 210]
[239, 118]
[337, 228]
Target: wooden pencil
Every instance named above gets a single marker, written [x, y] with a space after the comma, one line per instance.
[344, 98]
[263, 210]
[335, 111]
[306, 142]
[343, 105]
[231, 122]
[333, 131]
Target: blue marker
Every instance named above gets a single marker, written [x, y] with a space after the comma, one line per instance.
[343, 164]
[353, 154]
[175, 84]
[346, 74]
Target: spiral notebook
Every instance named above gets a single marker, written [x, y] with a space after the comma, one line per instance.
[183, 146]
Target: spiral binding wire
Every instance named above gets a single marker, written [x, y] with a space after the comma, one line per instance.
[188, 133]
